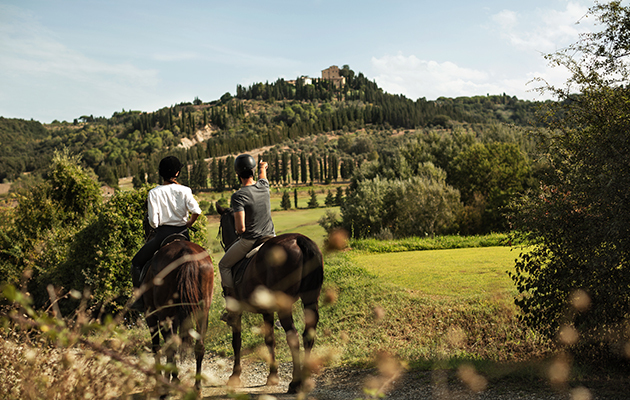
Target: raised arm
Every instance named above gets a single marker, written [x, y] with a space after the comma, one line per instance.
[262, 170]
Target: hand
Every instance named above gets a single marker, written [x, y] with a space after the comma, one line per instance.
[262, 170]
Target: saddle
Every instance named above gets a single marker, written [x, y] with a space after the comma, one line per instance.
[238, 271]
[167, 240]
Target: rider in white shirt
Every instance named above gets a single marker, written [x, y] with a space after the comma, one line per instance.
[172, 210]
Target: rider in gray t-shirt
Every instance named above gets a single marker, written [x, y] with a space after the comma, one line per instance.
[254, 200]
[252, 217]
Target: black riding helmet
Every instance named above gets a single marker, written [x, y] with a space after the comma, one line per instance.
[169, 167]
[244, 166]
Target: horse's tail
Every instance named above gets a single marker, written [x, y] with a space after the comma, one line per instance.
[312, 271]
[195, 288]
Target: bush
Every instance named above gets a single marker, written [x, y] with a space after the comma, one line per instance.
[417, 206]
[38, 232]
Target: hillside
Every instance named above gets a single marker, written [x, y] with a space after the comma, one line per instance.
[130, 143]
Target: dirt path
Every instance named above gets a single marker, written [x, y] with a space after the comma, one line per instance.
[349, 384]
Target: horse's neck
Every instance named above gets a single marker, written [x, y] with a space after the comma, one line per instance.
[228, 229]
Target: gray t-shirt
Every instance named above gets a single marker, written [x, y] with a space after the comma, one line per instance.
[254, 200]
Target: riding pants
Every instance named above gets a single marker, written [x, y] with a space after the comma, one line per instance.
[147, 251]
[236, 252]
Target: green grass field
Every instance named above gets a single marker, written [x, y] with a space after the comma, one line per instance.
[302, 221]
[405, 302]
[458, 273]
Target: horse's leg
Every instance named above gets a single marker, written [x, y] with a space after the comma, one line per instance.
[202, 327]
[235, 378]
[270, 341]
[154, 328]
[286, 319]
[311, 318]
[167, 334]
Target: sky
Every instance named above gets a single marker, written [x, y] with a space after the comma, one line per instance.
[62, 59]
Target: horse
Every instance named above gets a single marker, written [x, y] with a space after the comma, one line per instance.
[286, 268]
[178, 288]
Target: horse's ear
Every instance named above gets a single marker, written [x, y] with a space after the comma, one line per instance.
[219, 208]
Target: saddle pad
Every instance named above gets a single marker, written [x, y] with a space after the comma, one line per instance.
[253, 251]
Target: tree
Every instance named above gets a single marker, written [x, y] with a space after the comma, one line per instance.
[286, 200]
[295, 197]
[139, 179]
[575, 275]
[313, 203]
[339, 196]
[303, 167]
[489, 176]
[199, 176]
[330, 199]
[418, 206]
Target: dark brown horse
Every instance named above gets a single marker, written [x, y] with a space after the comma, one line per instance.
[178, 291]
[286, 268]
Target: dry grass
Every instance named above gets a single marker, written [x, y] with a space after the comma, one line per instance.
[45, 357]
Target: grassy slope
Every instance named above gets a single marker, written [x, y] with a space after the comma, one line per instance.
[370, 316]
[402, 303]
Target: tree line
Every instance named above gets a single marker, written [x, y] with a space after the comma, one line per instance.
[263, 114]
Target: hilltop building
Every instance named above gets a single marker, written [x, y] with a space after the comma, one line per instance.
[332, 74]
[305, 80]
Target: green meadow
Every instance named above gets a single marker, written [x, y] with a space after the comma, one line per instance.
[407, 303]
[302, 220]
[454, 273]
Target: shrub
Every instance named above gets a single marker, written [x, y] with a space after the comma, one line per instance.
[417, 206]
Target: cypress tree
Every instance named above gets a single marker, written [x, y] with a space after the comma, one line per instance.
[313, 203]
[286, 200]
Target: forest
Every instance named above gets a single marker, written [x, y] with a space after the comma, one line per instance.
[476, 148]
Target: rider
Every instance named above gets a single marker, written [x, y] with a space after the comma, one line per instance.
[172, 209]
[252, 217]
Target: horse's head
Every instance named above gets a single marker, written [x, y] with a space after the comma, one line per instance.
[227, 228]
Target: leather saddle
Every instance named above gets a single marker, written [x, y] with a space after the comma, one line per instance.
[167, 240]
[238, 271]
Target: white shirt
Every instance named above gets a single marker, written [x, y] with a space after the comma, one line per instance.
[170, 205]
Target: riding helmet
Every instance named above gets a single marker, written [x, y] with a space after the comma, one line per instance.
[244, 165]
[169, 167]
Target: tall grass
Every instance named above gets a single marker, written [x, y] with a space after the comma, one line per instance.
[430, 243]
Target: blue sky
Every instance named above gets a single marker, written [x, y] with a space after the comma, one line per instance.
[63, 59]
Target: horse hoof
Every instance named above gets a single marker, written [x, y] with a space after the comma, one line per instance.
[294, 387]
[234, 381]
[273, 380]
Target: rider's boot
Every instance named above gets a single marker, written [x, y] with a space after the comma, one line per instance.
[138, 305]
[229, 317]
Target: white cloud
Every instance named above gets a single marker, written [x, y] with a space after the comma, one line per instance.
[506, 19]
[531, 33]
[544, 30]
[416, 78]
